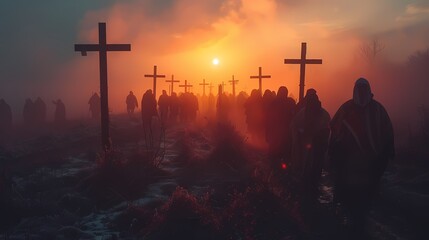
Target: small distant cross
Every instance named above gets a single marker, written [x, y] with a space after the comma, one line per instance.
[102, 48]
[172, 81]
[154, 76]
[260, 77]
[233, 82]
[204, 84]
[302, 62]
[186, 85]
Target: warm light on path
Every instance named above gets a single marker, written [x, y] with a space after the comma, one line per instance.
[215, 61]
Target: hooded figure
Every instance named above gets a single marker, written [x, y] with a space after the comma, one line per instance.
[95, 106]
[278, 118]
[132, 103]
[164, 105]
[360, 147]
[310, 137]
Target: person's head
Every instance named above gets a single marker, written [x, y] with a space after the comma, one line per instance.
[362, 94]
[312, 101]
[164, 92]
[282, 92]
[310, 91]
[131, 93]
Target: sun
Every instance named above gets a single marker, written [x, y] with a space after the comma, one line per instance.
[215, 61]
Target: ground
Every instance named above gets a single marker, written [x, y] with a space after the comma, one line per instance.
[205, 181]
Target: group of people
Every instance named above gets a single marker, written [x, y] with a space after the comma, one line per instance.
[170, 109]
[34, 113]
[354, 146]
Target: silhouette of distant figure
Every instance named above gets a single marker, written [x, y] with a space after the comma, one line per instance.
[148, 109]
[255, 115]
[5, 116]
[60, 112]
[28, 112]
[310, 138]
[39, 111]
[361, 145]
[95, 106]
[194, 107]
[278, 118]
[132, 103]
[211, 101]
[222, 106]
[174, 107]
[164, 105]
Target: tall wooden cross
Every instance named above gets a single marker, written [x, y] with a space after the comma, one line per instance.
[233, 82]
[172, 81]
[154, 76]
[223, 87]
[302, 62]
[186, 85]
[260, 77]
[204, 84]
[102, 48]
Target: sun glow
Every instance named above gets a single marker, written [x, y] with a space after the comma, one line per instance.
[215, 61]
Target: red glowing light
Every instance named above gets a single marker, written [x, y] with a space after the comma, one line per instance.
[308, 146]
[284, 166]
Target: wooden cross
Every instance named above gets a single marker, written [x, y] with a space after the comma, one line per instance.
[233, 82]
[260, 76]
[185, 86]
[172, 81]
[102, 48]
[204, 84]
[154, 76]
[223, 87]
[302, 62]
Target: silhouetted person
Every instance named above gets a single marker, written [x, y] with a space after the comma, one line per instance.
[301, 104]
[310, 138]
[164, 105]
[267, 101]
[361, 145]
[28, 112]
[222, 106]
[39, 111]
[95, 106]
[148, 109]
[194, 107]
[174, 107]
[5, 117]
[211, 102]
[278, 118]
[255, 115]
[132, 103]
[60, 112]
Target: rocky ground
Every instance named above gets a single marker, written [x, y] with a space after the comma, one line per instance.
[202, 182]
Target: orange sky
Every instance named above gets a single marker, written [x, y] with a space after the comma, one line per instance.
[182, 37]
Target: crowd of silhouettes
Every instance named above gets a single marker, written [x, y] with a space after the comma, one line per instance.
[354, 147]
